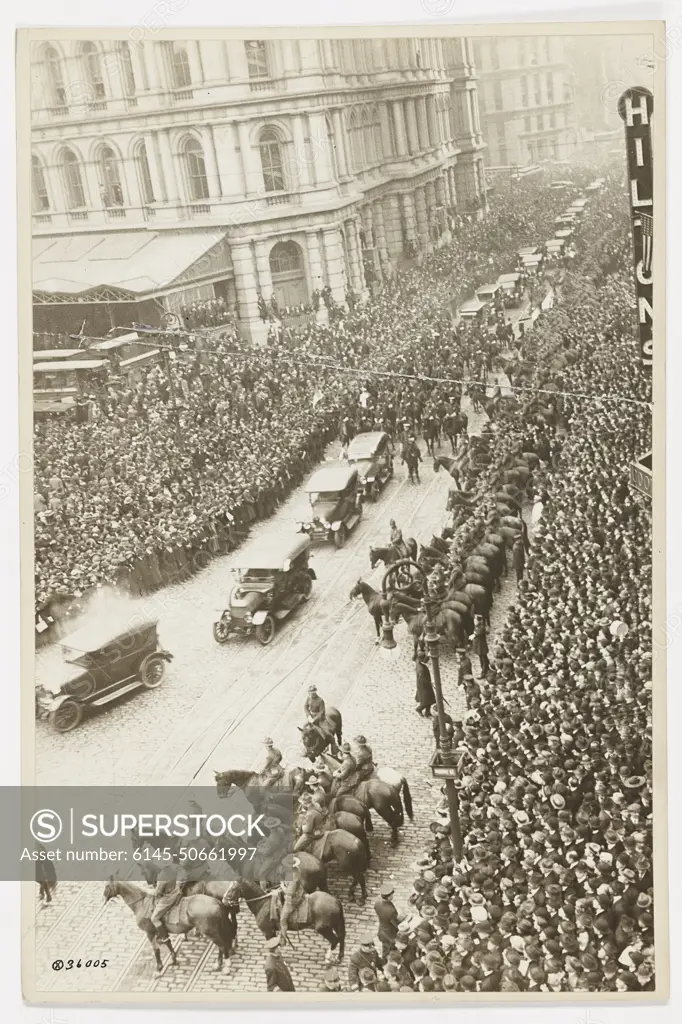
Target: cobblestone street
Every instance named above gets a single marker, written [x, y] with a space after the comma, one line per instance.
[212, 712]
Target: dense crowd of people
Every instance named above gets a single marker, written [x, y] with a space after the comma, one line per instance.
[164, 478]
[555, 889]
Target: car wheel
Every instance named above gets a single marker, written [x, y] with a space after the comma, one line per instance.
[67, 716]
[340, 536]
[152, 670]
[265, 631]
[221, 631]
[307, 588]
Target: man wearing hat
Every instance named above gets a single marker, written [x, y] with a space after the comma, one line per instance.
[364, 759]
[389, 919]
[294, 894]
[465, 667]
[272, 769]
[312, 826]
[364, 958]
[277, 972]
[345, 775]
[331, 981]
[424, 696]
[315, 710]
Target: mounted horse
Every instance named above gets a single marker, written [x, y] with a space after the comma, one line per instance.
[204, 913]
[376, 603]
[390, 554]
[451, 465]
[448, 623]
[385, 792]
[319, 910]
[328, 733]
[453, 425]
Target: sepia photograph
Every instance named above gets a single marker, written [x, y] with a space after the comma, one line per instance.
[343, 496]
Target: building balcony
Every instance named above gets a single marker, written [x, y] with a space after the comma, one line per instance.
[279, 198]
[76, 215]
[180, 95]
[114, 212]
[42, 218]
[261, 84]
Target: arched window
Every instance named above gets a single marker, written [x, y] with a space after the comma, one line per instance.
[144, 174]
[196, 170]
[92, 67]
[73, 182]
[257, 58]
[110, 178]
[180, 72]
[41, 200]
[286, 258]
[270, 147]
[125, 69]
[55, 78]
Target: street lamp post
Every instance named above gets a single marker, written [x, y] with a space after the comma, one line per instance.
[447, 760]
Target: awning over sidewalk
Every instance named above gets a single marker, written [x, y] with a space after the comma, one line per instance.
[126, 266]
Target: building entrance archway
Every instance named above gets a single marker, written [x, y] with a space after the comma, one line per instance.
[287, 269]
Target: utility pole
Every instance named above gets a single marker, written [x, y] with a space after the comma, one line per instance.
[444, 765]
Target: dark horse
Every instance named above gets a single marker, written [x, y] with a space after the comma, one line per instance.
[377, 605]
[481, 400]
[210, 918]
[328, 733]
[320, 911]
[384, 797]
[440, 462]
[265, 798]
[455, 424]
[390, 554]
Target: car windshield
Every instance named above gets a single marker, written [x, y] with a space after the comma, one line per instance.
[317, 496]
[74, 657]
[256, 574]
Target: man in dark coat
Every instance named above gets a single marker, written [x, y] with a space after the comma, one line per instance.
[389, 919]
[425, 697]
[480, 644]
[46, 876]
[277, 972]
[365, 957]
[519, 557]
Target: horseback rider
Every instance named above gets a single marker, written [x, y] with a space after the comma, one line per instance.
[324, 774]
[312, 826]
[315, 711]
[397, 540]
[169, 890]
[272, 769]
[346, 775]
[271, 848]
[364, 759]
[294, 894]
[316, 789]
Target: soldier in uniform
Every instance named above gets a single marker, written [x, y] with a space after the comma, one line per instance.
[389, 919]
[312, 826]
[365, 957]
[277, 973]
[317, 790]
[364, 759]
[315, 710]
[272, 769]
[168, 892]
[331, 981]
[346, 775]
[397, 540]
[294, 894]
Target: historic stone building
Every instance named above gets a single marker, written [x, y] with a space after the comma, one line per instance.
[527, 99]
[169, 171]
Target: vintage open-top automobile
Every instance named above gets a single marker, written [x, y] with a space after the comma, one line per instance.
[102, 662]
[335, 495]
[274, 578]
[370, 454]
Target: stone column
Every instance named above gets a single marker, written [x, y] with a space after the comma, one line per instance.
[250, 161]
[407, 203]
[168, 166]
[357, 281]
[196, 71]
[225, 139]
[321, 159]
[236, 58]
[394, 234]
[412, 131]
[368, 224]
[315, 261]
[379, 224]
[132, 195]
[435, 134]
[422, 124]
[151, 149]
[340, 143]
[386, 136]
[213, 60]
[245, 280]
[333, 248]
[140, 61]
[56, 192]
[159, 70]
[212, 174]
[264, 277]
[302, 171]
[93, 187]
[422, 216]
[400, 129]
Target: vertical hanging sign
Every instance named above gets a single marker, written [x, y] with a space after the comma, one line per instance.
[636, 107]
